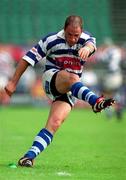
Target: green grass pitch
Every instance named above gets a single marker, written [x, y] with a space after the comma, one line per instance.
[88, 146]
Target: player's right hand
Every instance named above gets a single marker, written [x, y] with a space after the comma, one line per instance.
[5, 94]
[4, 97]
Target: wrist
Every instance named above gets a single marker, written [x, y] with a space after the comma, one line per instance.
[8, 91]
[10, 88]
[88, 49]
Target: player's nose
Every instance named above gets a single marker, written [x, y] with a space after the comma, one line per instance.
[73, 39]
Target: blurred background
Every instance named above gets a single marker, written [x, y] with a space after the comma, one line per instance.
[24, 22]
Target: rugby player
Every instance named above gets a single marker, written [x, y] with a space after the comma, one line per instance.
[66, 53]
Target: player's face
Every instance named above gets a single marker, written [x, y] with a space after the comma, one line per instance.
[72, 34]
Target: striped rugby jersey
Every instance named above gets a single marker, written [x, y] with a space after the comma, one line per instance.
[58, 53]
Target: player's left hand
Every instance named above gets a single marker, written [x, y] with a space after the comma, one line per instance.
[84, 53]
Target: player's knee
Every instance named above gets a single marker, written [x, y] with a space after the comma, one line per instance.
[73, 79]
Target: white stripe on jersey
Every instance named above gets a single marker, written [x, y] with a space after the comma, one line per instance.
[65, 55]
[42, 45]
[29, 60]
[51, 38]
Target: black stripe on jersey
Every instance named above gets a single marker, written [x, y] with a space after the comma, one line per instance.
[81, 41]
[40, 50]
[82, 62]
[65, 51]
[51, 60]
[32, 56]
[53, 43]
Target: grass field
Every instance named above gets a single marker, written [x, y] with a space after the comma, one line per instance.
[88, 146]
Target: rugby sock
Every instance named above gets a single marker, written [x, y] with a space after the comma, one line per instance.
[82, 92]
[41, 141]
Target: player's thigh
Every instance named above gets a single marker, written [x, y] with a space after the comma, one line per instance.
[64, 80]
[60, 110]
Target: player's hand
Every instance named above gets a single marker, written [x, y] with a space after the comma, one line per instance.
[84, 53]
[6, 93]
[4, 97]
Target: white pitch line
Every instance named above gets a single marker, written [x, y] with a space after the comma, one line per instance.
[63, 173]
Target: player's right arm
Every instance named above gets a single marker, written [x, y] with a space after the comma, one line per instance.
[33, 56]
[9, 89]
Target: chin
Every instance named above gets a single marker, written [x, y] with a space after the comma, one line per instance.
[70, 44]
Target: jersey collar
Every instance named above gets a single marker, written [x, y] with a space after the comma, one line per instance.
[61, 34]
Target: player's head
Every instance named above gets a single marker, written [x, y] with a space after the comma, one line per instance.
[73, 29]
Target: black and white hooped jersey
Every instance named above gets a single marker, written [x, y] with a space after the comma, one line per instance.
[58, 53]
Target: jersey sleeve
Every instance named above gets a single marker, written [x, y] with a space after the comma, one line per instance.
[36, 53]
[88, 38]
[92, 40]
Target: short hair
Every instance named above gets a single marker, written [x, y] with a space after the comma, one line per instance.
[74, 21]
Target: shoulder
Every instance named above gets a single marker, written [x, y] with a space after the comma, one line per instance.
[52, 40]
[52, 35]
[86, 35]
